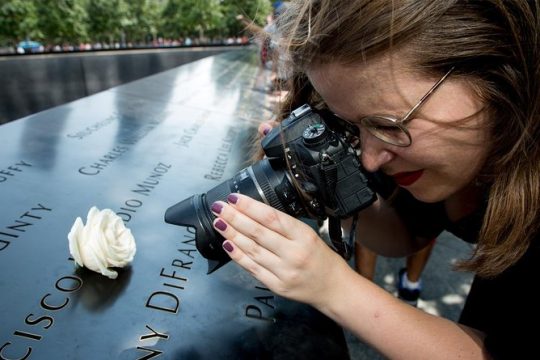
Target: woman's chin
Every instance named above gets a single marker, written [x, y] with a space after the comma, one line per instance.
[427, 195]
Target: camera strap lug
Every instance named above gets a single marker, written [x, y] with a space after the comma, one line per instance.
[342, 246]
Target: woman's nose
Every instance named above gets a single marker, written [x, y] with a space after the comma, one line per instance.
[374, 153]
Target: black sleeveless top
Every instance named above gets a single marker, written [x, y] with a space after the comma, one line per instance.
[505, 308]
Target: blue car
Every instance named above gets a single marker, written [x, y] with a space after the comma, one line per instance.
[29, 46]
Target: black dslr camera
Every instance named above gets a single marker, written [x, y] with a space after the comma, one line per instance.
[310, 170]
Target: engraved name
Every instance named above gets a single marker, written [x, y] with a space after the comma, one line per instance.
[20, 346]
[134, 136]
[166, 300]
[104, 161]
[173, 277]
[222, 158]
[20, 225]
[92, 128]
[189, 134]
[12, 170]
[152, 180]
[263, 306]
[151, 352]
[145, 187]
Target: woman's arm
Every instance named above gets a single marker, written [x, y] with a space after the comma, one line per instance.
[290, 259]
[393, 327]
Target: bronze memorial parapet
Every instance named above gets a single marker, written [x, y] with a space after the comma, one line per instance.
[137, 149]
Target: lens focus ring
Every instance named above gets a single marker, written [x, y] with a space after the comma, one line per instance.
[266, 184]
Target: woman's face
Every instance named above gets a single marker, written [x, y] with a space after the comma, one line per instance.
[449, 146]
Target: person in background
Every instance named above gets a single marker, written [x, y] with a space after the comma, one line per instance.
[446, 96]
[268, 49]
[260, 35]
[409, 282]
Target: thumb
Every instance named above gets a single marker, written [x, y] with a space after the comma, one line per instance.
[266, 127]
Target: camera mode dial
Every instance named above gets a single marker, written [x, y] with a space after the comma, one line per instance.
[315, 134]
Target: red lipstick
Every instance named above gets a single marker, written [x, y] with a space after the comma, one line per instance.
[407, 178]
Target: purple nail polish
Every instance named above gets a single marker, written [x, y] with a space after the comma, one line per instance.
[266, 131]
[232, 198]
[217, 207]
[220, 225]
[227, 246]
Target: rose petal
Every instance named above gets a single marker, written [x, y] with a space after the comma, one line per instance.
[73, 237]
[102, 243]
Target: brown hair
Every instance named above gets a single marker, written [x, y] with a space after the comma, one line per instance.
[494, 44]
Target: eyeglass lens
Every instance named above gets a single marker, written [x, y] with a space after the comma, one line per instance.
[387, 130]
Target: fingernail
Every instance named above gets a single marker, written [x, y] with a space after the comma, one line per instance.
[220, 225]
[266, 130]
[233, 199]
[227, 246]
[217, 207]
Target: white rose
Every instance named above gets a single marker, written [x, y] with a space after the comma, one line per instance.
[102, 243]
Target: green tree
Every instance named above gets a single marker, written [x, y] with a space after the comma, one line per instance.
[18, 21]
[145, 20]
[197, 18]
[107, 20]
[62, 20]
[74, 21]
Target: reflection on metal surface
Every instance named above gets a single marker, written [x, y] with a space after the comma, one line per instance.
[136, 149]
[39, 82]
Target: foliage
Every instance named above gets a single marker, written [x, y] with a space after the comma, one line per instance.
[18, 21]
[144, 22]
[107, 19]
[192, 18]
[136, 21]
[62, 21]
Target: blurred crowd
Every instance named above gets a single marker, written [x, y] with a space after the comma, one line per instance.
[33, 47]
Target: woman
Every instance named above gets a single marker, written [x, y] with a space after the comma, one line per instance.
[445, 94]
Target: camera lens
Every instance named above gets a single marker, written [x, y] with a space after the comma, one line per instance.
[310, 170]
[259, 181]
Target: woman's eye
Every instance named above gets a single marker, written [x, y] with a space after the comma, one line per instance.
[385, 128]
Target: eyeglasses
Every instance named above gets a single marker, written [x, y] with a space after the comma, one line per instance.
[392, 130]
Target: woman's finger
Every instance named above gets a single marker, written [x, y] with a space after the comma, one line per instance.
[253, 257]
[246, 232]
[266, 127]
[261, 273]
[268, 217]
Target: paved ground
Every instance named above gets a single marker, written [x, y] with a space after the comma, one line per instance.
[444, 291]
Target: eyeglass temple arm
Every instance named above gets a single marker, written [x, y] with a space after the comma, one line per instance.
[433, 88]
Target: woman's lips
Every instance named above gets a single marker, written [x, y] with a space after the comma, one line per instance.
[407, 178]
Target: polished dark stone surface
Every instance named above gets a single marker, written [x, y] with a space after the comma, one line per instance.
[33, 83]
[176, 127]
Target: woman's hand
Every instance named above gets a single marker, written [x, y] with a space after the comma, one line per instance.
[280, 251]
